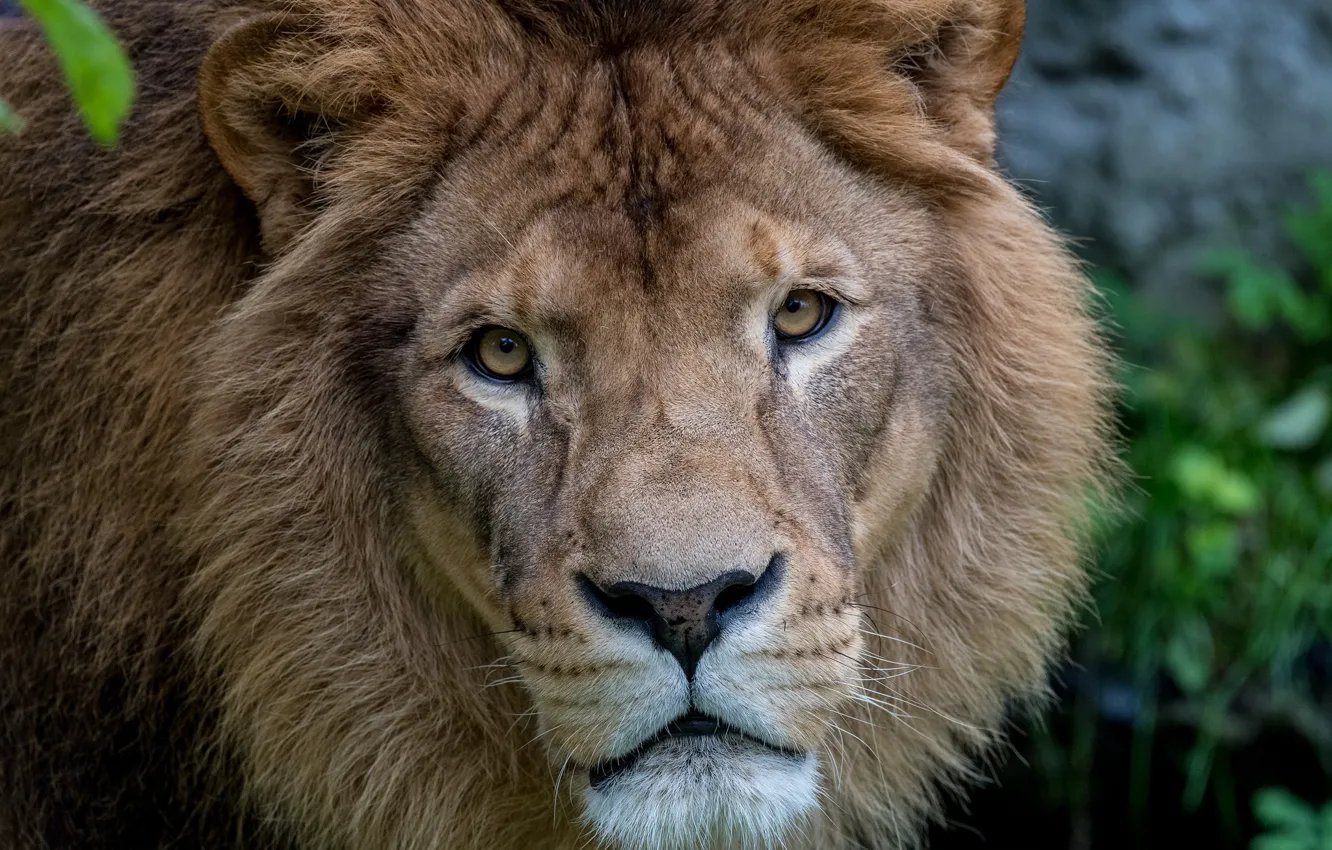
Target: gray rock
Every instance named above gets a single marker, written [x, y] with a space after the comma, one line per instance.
[1158, 130]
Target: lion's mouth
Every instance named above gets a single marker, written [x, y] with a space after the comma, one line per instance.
[692, 725]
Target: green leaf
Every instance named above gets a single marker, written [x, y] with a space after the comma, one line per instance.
[1193, 470]
[1299, 422]
[1283, 842]
[1256, 294]
[1259, 295]
[10, 122]
[1277, 808]
[1311, 229]
[1214, 547]
[1245, 294]
[1188, 655]
[1234, 493]
[1323, 476]
[93, 61]
[1203, 477]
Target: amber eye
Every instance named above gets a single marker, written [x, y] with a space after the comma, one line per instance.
[500, 354]
[802, 315]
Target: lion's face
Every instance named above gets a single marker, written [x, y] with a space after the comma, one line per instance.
[657, 384]
[693, 376]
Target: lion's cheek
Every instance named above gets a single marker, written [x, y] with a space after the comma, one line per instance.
[784, 685]
[594, 707]
[894, 482]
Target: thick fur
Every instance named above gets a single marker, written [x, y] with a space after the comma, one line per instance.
[278, 572]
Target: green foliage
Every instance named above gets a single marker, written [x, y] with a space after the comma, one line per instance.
[93, 62]
[1291, 823]
[1221, 581]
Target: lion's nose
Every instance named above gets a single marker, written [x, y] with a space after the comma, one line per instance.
[684, 622]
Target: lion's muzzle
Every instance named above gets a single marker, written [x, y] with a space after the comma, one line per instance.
[684, 622]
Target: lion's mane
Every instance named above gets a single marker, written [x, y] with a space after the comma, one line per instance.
[203, 633]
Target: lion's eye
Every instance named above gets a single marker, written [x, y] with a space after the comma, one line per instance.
[802, 315]
[500, 354]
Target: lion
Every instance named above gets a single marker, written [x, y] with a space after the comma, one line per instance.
[531, 423]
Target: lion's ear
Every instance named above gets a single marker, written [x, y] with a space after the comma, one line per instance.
[266, 121]
[868, 70]
[962, 66]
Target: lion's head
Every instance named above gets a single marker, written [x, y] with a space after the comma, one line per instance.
[659, 406]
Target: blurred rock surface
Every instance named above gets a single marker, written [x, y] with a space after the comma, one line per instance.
[1156, 130]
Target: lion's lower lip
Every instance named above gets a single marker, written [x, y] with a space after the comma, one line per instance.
[693, 724]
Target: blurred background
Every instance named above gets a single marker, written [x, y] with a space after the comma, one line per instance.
[1186, 146]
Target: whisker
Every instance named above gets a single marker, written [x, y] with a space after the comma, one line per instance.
[889, 677]
[839, 749]
[883, 610]
[854, 661]
[887, 708]
[892, 666]
[541, 735]
[555, 802]
[886, 664]
[962, 723]
[479, 637]
[863, 720]
[897, 640]
[531, 712]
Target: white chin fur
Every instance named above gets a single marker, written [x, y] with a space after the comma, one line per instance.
[700, 793]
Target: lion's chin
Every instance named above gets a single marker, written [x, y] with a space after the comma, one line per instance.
[704, 792]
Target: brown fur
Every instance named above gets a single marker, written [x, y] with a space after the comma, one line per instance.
[255, 541]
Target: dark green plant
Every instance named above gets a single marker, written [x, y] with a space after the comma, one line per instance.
[1223, 581]
[1218, 584]
[1291, 823]
[93, 62]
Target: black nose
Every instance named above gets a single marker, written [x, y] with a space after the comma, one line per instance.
[683, 622]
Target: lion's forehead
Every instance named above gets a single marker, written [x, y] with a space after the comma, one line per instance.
[647, 153]
[625, 129]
